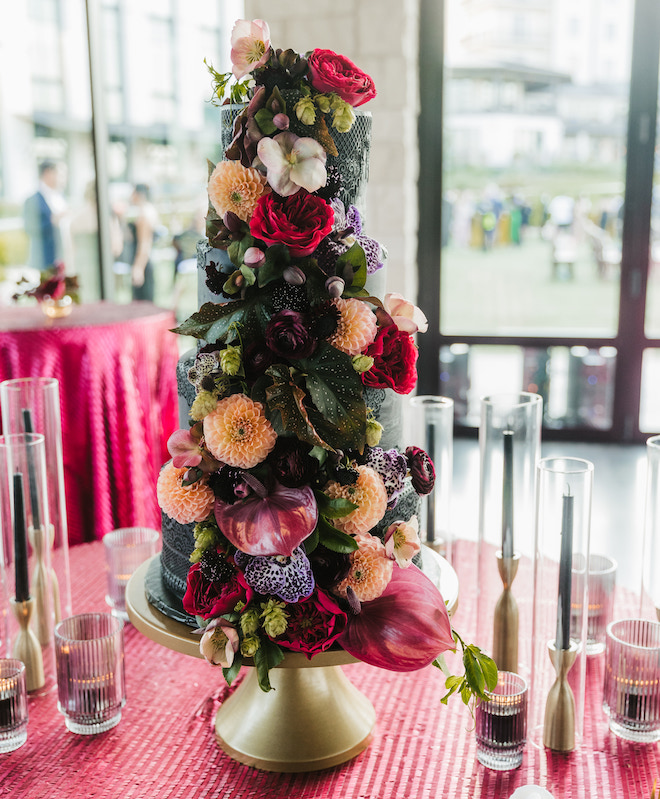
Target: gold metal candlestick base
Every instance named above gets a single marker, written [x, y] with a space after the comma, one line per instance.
[505, 619]
[559, 722]
[27, 647]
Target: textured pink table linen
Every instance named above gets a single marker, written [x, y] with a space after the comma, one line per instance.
[116, 365]
[164, 746]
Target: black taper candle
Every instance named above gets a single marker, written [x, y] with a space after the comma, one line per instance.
[563, 640]
[32, 472]
[507, 495]
[20, 542]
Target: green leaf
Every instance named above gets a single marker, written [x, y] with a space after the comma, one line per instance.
[264, 119]
[285, 396]
[352, 267]
[232, 672]
[339, 414]
[277, 260]
[267, 657]
[489, 668]
[237, 249]
[334, 539]
[213, 321]
[333, 508]
[311, 542]
[474, 676]
[466, 694]
[248, 274]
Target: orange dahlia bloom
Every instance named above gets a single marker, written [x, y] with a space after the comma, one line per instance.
[370, 572]
[184, 504]
[234, 187]
[370, 496]
[238, 433]
[356, 328]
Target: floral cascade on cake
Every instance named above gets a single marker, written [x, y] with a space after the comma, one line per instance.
[281, 468]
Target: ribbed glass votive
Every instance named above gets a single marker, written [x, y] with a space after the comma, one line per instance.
[501, 724]
[13, 705]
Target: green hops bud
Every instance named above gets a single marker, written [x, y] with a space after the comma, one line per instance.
[374, 432]
[204, 403]
[231, 360]
[250, 621]
[274, 618]
[305, 110]
[343, 117]
[362, 363]
[323, 102]
[249, 645]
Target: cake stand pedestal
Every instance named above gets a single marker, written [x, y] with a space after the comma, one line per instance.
[314, 719]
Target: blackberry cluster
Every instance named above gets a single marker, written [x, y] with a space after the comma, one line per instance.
[214, 567]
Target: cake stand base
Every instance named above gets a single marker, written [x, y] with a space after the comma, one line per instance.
[314, 719]
[280, 730]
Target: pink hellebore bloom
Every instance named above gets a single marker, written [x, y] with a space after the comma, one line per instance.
[405, 315]
[292, 163]
[184, 449]
[219, 643]
[250, 46]
[402, 541]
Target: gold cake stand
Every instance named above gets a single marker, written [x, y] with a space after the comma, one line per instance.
[314, 719]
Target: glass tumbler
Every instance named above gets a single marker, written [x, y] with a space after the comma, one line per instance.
[501, 723]
[91, 686]
[13, 705]
[631, 690]
[125, 550]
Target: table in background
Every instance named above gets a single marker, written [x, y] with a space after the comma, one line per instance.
[164, 746]
[116, 365]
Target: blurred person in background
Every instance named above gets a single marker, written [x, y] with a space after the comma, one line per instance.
[44, 213]
[141, 225]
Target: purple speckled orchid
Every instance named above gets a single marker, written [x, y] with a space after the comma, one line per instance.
[348, 229]
[392, 466]
[289, 578]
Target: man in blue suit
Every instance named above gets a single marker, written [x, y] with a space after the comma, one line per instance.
[42, 214]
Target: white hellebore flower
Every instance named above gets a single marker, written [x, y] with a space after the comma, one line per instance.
[406, 316]
[402, 541]
[219, 643]
[292, 163]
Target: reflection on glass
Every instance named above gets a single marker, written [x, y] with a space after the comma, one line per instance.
[649, 412]
[576, 383]
[535, 125]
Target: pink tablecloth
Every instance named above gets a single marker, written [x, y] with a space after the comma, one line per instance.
[116, 367]
[164, 746]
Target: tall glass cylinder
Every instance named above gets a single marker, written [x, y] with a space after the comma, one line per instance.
[509, 449]
[32, 405]
[560, 624]
[651, 561]
[31, 583]
[433, 431]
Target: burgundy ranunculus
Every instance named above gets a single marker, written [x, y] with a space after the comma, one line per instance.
[314, 624]
[212, 597]
[288, 335]
[256, 359]
[422, 470]
[330, 568]
[291, 462]
[331, 72]
[299, 221]
[395, 356]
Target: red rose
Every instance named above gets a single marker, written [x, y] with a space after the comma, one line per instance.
[314, 624]
[209, 598]
[331, 72]
[299, 221]
[395, 355]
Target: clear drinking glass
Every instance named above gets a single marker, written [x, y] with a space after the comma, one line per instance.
[13, 705]
[91, 687]
[125, 550]
[651, 558]
[501, 723]
[433, 431]
[631, 689]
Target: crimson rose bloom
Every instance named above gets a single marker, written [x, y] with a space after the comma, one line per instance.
[209, 598]
[331, 72]
[299, 221]
[288, 335]
[394, 355]
[314, 624]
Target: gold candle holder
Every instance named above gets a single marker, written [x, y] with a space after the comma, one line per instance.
[27, 647]
[559, 721]
[44, 579]
[505, 620]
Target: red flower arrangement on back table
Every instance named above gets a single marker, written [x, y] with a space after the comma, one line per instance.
[281, 468]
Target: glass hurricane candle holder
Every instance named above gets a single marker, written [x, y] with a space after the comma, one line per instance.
[509, 448]
[32, 405]
[651, 557]
[560, 600]
[631, 688]
[125, 550]
[433, 431]
[601, 585]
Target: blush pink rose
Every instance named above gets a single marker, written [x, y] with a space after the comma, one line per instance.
[331, 72]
